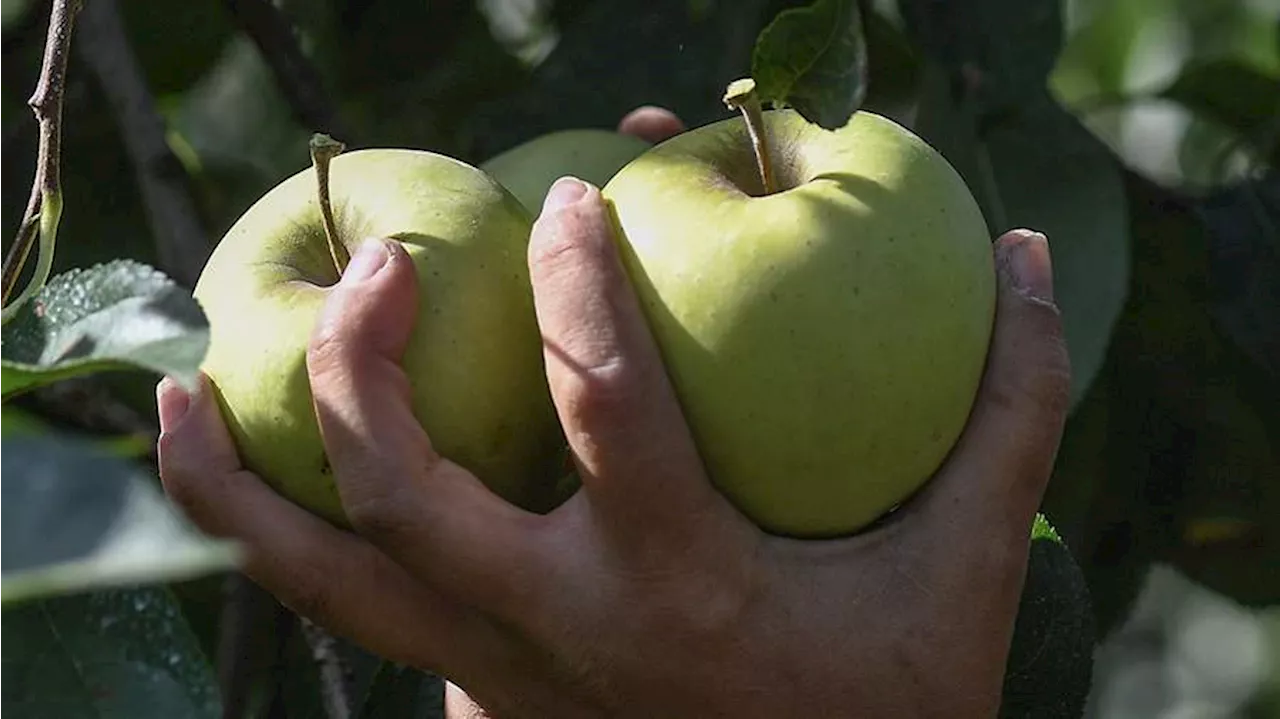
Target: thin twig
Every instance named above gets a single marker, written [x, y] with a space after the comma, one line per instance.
[181, 240]
[251, 635]
[46, 103]
[333, 675]
[296, 77]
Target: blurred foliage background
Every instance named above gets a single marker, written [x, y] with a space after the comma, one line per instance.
[1143, 136]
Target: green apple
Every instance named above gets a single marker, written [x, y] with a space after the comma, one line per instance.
[826, 340]
[475, 358]
[594, 155]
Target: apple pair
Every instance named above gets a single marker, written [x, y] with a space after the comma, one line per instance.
[825, 340]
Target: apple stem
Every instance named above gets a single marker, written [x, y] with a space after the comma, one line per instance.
[324, 149]
[741, 95]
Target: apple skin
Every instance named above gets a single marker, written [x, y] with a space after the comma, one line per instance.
[825, 342]
[474, 362]
[594, 155]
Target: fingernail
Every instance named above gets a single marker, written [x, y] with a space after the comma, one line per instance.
[1030, 265]
[368, 259]
[172, 402]
[565, 191]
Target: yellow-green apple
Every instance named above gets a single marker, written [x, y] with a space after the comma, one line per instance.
[590, 154]
[474, 362]
[825, 340]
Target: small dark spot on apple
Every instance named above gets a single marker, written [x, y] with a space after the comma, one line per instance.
[325, 468]
[857, 290]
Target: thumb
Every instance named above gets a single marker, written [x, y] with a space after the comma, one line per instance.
[370, 311]
[996, 475]
[361, 393]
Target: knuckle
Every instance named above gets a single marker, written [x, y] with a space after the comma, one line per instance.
[328, 350]
[555, 254]
[600, 392]
[380, 516]
[1041, 365]
[572, 238]
[1052, 380]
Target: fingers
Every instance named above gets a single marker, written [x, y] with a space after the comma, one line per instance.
[652, 124]
[634, 451]
[427, 513]
[457, 705]
[997, 473]
[333, 577]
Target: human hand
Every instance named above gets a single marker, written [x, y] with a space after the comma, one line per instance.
[645, 594]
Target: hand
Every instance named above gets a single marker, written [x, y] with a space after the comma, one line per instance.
[646, 594]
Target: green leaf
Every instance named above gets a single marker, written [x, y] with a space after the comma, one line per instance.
[1243, 223]
[18, 421]
[814, 59]
[77, 518]
[1041, 529]
[1236, 95]
[1130, 450]
[1050, 667]
[125, 654]
[893, 70]
[175, 43]
[1003, 50]
[119, 315]
[1229, 513]
[128, 446]
[1042, 170]
[662, 52]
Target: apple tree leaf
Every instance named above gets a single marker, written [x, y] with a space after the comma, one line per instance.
[1239, 96]
[1135, 443]
[1243, 224]
[20, 421]
[176, 45]
[814, 59]
[120, 653]
[118, 315]
[1041, 169]
[1003, 50]
[672, 53]
[78, 518]
[1050, 668]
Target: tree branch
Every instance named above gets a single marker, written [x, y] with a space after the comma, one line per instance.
[182, 243]
[44, 205]
[333, 674]
[297, 79]
[252, 633]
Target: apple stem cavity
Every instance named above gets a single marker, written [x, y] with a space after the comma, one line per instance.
[323, 150]
[741, 95]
